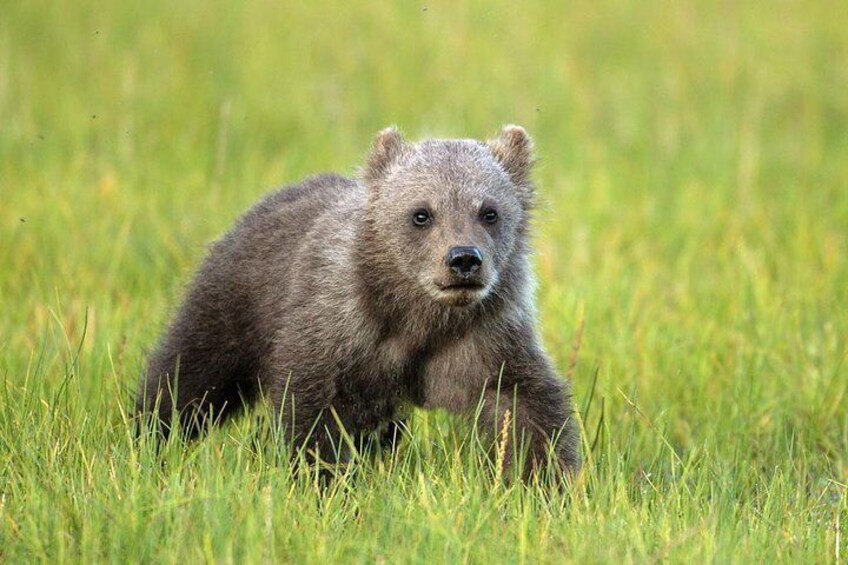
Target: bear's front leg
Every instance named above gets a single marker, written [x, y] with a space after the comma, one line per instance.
[530, 406]
[331, 422]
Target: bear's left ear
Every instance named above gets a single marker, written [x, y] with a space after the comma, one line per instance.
[513, 149]
[386, 149]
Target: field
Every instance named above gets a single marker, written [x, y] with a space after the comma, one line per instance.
[692, 255]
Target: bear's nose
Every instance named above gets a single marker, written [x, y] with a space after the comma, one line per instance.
[464, 261]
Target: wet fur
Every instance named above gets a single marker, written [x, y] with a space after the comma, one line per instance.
[318, 298]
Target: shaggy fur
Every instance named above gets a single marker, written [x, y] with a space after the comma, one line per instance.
[327, 298]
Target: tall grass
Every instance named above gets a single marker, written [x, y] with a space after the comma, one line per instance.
[691, 252]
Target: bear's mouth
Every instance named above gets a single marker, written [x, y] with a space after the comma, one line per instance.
[461, 292]
[460, 286]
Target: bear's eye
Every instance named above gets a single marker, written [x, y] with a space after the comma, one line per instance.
[490, 216]
[421, 218]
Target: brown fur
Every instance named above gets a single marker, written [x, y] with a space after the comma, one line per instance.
[330, 301]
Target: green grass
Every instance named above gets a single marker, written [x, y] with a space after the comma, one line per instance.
[692, 249]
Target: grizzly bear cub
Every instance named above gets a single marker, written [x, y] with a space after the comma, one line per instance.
[347, 301]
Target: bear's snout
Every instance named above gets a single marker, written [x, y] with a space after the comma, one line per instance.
[464, 261]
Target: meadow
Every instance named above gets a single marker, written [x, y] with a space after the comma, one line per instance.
[691, 250]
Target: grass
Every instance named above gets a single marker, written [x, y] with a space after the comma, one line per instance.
[692, 257]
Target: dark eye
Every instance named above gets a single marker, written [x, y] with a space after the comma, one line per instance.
[421, 217]
[490, 216]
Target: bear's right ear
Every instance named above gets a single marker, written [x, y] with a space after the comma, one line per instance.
[386, 149]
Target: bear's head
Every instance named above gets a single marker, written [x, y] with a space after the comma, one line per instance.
[448, 215]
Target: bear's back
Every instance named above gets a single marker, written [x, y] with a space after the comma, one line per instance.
[238, 294]
[290, 212]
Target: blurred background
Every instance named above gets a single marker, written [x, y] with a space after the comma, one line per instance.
[693, 166]
[692, 254]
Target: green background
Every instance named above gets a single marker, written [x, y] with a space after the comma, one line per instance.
[691, 251]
